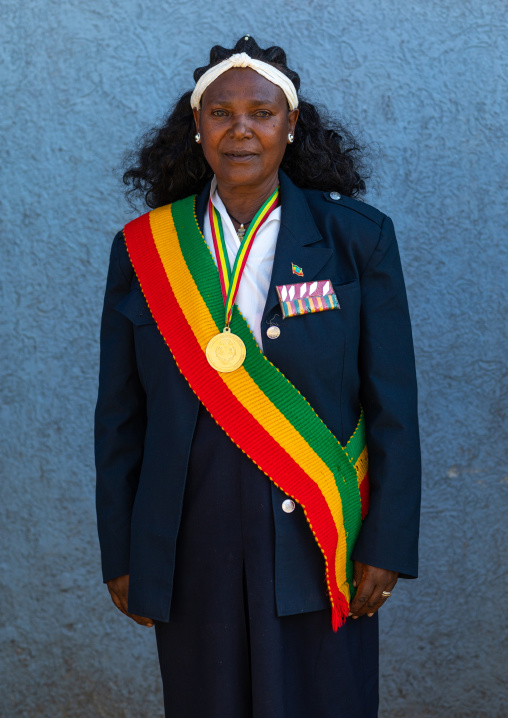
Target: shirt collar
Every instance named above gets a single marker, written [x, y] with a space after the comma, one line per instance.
[220, 207]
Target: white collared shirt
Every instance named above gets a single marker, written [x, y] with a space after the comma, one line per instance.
[255, 281]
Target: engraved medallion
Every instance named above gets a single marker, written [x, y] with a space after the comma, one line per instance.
[273, 332]
[226, 351]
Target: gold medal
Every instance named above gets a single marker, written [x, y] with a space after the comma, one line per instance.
[225, 351]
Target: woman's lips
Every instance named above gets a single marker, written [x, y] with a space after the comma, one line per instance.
[240, 156]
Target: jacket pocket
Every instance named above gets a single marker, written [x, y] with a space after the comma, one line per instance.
[135, 308]
[343, 291]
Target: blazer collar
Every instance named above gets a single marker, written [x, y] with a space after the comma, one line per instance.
[296, 243]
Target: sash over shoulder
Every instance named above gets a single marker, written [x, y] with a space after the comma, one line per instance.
[257, 407]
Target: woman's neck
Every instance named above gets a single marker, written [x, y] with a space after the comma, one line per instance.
[242, 202]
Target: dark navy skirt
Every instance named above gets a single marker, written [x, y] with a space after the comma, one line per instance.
[225, 653]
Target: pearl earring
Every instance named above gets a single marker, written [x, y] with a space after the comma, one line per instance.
[291, 138]
[198, 137]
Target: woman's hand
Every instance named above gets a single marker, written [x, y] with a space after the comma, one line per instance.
[119, 590]
[370, 582]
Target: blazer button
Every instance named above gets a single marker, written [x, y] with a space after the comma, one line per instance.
[334, 195]
[288, 506]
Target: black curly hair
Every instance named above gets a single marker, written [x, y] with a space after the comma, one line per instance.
[169, 165]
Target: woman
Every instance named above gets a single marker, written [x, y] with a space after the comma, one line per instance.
[255, 342]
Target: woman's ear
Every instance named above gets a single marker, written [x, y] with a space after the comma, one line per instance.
[196, 114]
[292, 118]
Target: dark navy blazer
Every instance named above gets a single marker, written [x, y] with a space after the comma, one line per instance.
[360, 354]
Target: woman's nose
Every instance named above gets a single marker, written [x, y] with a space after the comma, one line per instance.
[241, 127]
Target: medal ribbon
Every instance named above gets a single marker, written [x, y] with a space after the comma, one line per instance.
[230, 279]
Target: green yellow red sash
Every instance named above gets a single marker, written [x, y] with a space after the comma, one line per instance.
[259, 409]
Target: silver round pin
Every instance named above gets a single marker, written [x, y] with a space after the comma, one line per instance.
[273, 332]
[334, 195]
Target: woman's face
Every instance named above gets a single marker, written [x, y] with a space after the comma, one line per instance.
[244, 123]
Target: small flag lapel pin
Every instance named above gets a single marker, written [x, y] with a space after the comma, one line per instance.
[297, 270]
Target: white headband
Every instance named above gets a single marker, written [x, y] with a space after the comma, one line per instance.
[241, 59]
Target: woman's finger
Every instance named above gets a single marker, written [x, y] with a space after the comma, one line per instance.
[357, 573]
[379, 596]
[119, 603]
[363, 596]
[141, 620]
[119, 587]
[369, 595]
[119, 591]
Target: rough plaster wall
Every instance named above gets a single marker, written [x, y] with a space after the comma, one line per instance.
[426, 81]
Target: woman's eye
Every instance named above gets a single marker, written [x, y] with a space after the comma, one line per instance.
[263, 113]
[219, 113]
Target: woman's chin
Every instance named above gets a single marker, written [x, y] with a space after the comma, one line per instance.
[236, 172]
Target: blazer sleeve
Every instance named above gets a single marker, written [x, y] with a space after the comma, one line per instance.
[120, 421]
[389, 535]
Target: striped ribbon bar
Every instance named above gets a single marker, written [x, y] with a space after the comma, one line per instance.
[306, 298]
[230, 279]
[259, 409]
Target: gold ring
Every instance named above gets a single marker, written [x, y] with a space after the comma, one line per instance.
[386, 594]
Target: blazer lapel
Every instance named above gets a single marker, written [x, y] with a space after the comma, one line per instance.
[296, 243]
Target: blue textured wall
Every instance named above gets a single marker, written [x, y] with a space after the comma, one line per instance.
[426, 81]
